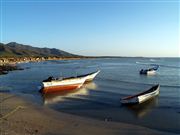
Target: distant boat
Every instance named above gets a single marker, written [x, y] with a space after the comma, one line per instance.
[142, 97]
[89, 77]
[58, 84]
[150, 71]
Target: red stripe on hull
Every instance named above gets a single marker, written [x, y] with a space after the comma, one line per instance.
[60, 88]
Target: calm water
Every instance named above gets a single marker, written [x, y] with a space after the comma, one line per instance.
[100, 99]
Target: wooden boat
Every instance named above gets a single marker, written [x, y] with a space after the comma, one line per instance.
[58, 84]
[150, 71]
[142, 97]
[89, 77]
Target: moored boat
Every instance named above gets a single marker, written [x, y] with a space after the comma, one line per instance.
[150, 71]
[58, 84]
[89, 77]
[142, 97]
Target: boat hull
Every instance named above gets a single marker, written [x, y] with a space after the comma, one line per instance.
[146, 97]
[138, 99]
[50, 85]
[90, 77]
[131, 101]
[153, 72]
[61, 85]
[146, 72]
[57, 88]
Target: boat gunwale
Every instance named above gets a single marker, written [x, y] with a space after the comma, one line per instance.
[89, 74]
[152, 89]
[73, 77]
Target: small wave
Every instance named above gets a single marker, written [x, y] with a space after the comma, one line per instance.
[145, 63]
[154, 64]
[127, 82]
[139, 83]
[152, 60]
[98, 101]
[171, 86]
[168, 66]
[4, 91]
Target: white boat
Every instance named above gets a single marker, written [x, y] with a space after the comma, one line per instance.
[142, 97]
[150, 71]
[55, 84]
[59, 84]
[89, 77]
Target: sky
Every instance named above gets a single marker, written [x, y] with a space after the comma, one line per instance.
[148, 28]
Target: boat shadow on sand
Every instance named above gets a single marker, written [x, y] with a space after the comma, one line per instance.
[142, 110]
[61, 96]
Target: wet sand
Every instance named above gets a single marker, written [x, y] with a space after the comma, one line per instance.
[20, 117]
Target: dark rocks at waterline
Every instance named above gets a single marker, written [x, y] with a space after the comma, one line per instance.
[4, 69]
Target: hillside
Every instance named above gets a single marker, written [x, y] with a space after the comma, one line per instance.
[14, 49]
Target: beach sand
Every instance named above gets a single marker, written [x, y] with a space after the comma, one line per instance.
[21, 117]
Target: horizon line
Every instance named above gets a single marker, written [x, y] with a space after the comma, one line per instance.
[94, 55]
[99, 1]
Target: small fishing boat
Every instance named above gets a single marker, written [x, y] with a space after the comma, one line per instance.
[58, 84]
[142, 97]
[89, 77]
[150, 71]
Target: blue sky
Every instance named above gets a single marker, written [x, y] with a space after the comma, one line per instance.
[94, 27]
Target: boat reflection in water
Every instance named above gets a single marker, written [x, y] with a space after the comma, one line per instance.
[61, 96]
[142, 110]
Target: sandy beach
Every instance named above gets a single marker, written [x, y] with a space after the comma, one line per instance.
[20, 117]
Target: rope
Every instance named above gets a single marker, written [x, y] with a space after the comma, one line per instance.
[13, 111]
[6, 98]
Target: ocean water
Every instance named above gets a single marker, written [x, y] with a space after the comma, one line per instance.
[100, 99]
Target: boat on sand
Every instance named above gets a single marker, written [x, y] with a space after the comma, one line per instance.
[142, 97]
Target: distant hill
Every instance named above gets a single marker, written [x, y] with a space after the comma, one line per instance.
[14, 49]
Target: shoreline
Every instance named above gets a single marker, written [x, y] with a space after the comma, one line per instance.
[19, 117]
[10, 64]
[17, 60]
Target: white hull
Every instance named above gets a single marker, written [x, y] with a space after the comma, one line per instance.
[153, 72]
[65, 82]
[140, 98]
[148, 96]
[150, 71]
[91, 76]
[54, 84]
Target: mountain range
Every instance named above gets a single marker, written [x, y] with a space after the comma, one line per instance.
[14, 49]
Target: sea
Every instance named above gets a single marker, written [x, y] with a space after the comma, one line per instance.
[100, 99]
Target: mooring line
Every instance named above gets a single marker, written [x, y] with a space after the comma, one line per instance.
[6, 98]
[13, 111]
